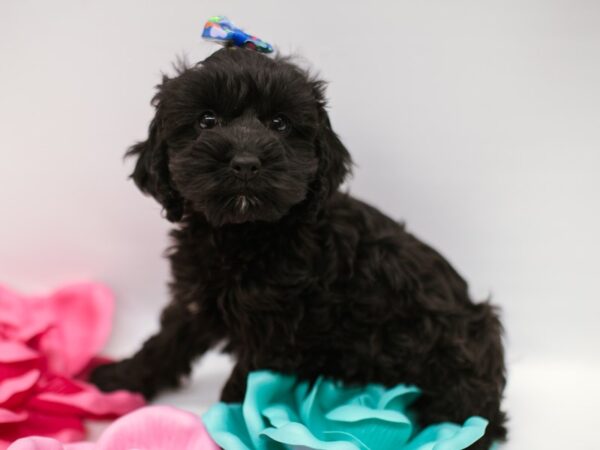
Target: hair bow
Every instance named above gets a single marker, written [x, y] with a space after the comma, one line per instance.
[220, 29]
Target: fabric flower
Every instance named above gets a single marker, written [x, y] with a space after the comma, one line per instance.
[280, 412]
[149, 428]
[46, 344]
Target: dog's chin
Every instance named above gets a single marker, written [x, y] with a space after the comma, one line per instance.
[227, 201]
[242, 208]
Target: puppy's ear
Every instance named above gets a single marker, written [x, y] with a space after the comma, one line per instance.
[335, 162]
[151, 173]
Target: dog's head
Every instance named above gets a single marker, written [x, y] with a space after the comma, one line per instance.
[240, 137]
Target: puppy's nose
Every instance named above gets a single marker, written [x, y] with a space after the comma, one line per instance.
[245, 166]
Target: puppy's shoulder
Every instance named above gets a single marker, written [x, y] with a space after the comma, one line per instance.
[365, 217]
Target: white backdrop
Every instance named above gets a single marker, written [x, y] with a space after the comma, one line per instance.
[476, 122]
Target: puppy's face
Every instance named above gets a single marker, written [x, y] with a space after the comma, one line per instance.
[239, 138]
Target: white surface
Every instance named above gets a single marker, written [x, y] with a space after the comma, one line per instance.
[476, 122]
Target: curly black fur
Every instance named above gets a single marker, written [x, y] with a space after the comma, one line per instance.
[288, 272]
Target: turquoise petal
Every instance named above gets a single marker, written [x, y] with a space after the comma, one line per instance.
[281, 413]
[375, 434]
[449, 436]
[296, 434]
[324, 395]
[266, 386]
[399, 397]
[472, 430]
[355, 413]
[227, 427]
[373, 428]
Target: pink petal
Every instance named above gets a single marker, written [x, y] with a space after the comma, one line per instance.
[7, 416]
[36, 443]
[157, 428]
[16, 359]
[14, 390]
[17, 322]
[11, 351]
[43, 443]
[43, 342]
[63, 396]
[62, 428]
[82, 318]
[11, 305]
[150, 428]
[80, 446]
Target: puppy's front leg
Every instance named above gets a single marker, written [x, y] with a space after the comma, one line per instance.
[235, 387]
[164, 358]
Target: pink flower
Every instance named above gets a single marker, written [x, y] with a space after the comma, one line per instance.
[46, 345]
[150, 428]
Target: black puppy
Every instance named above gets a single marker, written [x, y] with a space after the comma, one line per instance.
[291, 275]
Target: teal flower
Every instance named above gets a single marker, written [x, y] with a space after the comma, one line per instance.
[281, 413]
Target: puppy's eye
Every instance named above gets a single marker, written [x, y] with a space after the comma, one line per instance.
[208, 120]
[280, 124]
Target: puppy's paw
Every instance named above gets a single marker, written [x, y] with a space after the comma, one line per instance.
[118, 375]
